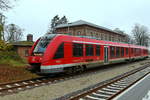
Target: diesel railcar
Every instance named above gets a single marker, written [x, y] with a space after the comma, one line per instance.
[63, 53]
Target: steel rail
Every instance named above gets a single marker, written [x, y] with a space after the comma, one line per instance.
[109, 89]
[14, 87]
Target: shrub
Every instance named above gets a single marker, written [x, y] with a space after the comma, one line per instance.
[5, 46]
[11, 58]
[9, 55]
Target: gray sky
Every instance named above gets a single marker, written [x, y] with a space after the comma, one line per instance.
[35, 15]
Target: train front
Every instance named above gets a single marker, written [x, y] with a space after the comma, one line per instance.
[37, 52]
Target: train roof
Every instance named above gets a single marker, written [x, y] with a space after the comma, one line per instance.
[86, 40]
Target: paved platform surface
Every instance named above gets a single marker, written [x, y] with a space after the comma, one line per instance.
[139, 91]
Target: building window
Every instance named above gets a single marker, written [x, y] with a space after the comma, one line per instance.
[102, 37]
[77, 50]
[26, 53]
[98, 50]
[119, 39]
[78, 33]
[91, 34]
[59, 52]
[89, 50]
[109, 37]
[97, 35]
[112, 38]
[106, 37]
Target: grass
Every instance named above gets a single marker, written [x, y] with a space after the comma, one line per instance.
[12, 62]
[11, 58]
[13, 68]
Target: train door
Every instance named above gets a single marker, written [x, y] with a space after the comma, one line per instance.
[106, 54]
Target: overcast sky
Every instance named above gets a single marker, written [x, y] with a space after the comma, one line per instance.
[34, 16]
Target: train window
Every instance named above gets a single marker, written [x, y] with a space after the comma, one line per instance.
[112, 52]
[145, 51]
[89, 50]
[98, 50]
[117, 51]
[132, 51]
[127, 51]
[136, 51]
[77, 49]
[59, 52]
[140, 52]
[43, 43]
[122, 52]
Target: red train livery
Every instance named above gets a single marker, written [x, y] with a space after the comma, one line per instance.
[63, 53]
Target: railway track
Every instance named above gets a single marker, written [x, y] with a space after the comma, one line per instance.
[111, 88]
[15, 87]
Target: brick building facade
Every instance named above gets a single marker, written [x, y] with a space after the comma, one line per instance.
[22, 47]
[83, 28]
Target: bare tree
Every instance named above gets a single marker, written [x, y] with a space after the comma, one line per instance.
[127, 37]
[141, 34]
[13, 33]
[5, 4]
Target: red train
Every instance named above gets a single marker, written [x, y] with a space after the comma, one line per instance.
[63, 53]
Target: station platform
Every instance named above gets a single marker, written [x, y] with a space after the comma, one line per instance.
[138, 91]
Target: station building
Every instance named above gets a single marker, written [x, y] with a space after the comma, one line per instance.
[22, 47]
[83, 28]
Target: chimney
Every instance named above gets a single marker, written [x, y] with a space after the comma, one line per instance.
[30, 37]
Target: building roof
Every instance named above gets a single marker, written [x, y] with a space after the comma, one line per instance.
[82, 22]
[23, 43]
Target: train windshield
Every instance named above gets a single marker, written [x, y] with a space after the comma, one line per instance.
[43, 43]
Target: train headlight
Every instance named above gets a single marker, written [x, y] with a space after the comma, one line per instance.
[33, 59]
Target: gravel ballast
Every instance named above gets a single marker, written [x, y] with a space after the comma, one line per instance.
[53, 91]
